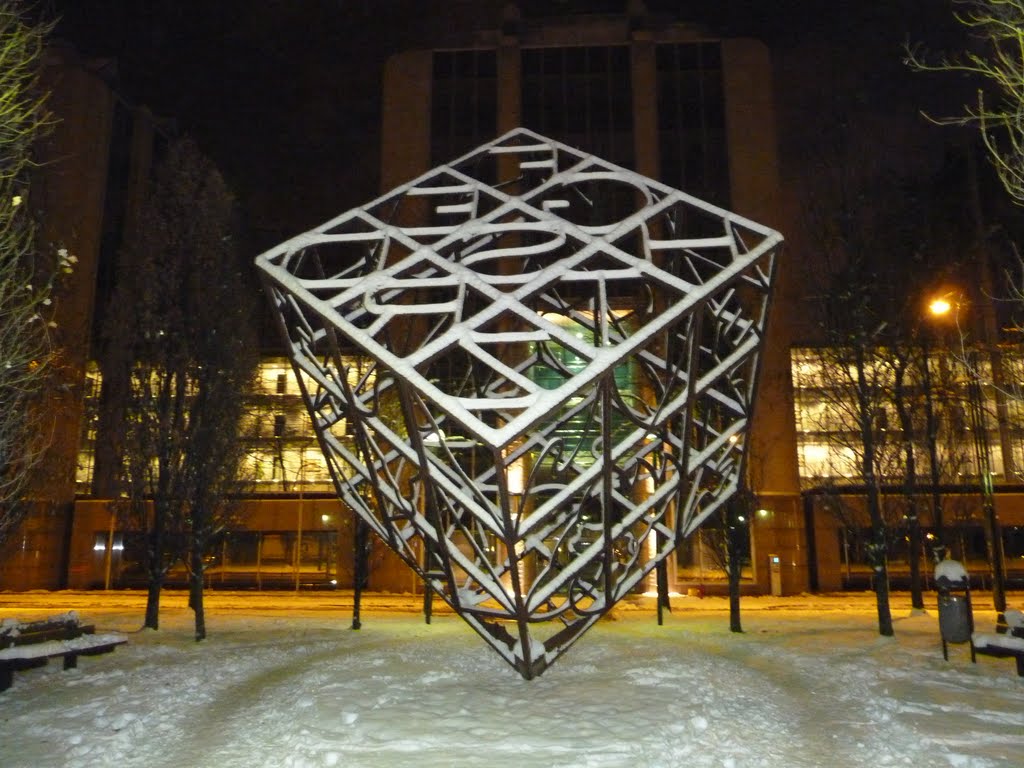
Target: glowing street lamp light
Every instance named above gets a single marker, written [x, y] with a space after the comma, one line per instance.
[940, 306]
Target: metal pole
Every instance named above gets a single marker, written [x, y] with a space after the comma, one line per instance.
[981, 449]
[259, 561]
[931, 427]
[298, 543]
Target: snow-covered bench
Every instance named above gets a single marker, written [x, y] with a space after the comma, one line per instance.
[1006, 645]
[32, 644]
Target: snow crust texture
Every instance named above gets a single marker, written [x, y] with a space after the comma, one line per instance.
[560, 361]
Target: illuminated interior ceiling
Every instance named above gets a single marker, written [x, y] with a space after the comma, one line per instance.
[503, 298]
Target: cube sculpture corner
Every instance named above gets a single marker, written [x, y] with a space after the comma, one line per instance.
[558, 363]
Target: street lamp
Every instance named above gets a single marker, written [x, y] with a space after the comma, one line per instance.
[936, 307]
[940, 307]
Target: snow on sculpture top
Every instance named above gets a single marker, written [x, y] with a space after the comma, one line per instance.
[563, 361]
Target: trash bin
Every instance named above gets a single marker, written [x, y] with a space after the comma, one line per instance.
[954, 618]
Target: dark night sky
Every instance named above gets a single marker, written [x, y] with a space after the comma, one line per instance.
[284, 94]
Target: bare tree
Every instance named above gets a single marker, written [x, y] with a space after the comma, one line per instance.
[857, 392]
[854, 221]
[181, 326]
[872, 229]
[904, 400]
[27, 269]
[728, 542]
[996, 58]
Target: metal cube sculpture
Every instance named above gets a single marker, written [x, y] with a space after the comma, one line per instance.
[563, 357]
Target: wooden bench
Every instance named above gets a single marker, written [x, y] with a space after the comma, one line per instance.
[33, 644]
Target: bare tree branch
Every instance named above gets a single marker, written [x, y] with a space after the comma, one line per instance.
[27, 272]
[180, 326]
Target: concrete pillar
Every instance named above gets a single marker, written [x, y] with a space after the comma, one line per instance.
[645, 105]
[510, 85]
[754, 184]
[405, 118]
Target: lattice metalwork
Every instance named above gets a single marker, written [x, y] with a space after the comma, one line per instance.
[565, 355]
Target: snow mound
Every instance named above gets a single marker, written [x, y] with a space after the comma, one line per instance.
[952, 571]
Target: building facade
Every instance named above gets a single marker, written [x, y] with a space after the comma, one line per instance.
[945, 445]
[664, 99]
[668, 100]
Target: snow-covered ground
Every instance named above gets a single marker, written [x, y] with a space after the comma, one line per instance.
[283, 681]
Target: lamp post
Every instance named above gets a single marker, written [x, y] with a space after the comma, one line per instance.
[937, 307]
[983, 459]
[982, 452]
[931, 439]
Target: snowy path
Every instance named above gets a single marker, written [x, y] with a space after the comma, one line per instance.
[814, 686]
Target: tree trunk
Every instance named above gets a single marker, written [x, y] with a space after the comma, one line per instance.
[914, 523]
[901, 401]
[881, 579]
[195, 596]
[878, 547]
[153, 603]
[155, 568]
[734, 600]
[362, 547]
[735, 531]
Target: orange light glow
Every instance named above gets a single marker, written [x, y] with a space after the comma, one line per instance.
[940, 306]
